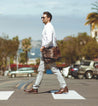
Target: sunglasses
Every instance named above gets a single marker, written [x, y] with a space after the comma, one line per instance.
[42, 17]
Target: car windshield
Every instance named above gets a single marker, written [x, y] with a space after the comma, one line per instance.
[76, 65]
[85, 63]
[24, 69]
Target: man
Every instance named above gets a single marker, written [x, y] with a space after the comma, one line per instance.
[48, 40]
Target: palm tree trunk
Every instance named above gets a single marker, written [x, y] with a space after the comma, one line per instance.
[91, 30]
[26, 56]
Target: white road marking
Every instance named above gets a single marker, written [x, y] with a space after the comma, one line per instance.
[5, 95]
[70, 95]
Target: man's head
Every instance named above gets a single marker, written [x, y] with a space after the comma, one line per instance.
[47, 17]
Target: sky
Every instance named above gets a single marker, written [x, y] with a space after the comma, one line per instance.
[22, 18]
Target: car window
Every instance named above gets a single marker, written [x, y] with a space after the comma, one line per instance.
[33, 68]
[21, 69]
[76, 65]
[29, 69]
[25, 69]
[96, 64]
[85, 63]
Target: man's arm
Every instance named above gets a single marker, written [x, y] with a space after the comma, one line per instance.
[42, 48]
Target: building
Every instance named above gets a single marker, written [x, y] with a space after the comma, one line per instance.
[94, 31]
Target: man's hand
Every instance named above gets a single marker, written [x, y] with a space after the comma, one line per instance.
[42, 48]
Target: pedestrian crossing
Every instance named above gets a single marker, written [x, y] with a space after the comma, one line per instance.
[71, 95]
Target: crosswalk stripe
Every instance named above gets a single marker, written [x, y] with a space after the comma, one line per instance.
[5, 95]
[70, 95]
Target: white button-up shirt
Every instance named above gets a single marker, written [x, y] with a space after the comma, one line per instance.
[48, 36]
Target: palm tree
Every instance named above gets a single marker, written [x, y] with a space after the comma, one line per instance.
[92, 20]
[26, 46]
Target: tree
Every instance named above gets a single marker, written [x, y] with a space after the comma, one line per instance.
[82, 40]
[90, 50]
[22, 57]
[26, 46]
[72, 48]
[37, 61]
[92, 18]
[8, 48]
[69, 49]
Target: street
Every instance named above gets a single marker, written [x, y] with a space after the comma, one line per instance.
[88, 89]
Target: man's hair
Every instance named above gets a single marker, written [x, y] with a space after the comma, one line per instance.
[49, 15]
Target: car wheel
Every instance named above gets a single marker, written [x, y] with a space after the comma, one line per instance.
[80, 76]
[13, 76]
[29, 75]
[89, 74]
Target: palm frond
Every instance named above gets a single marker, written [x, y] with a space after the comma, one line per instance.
[92, 18]
[90, 15]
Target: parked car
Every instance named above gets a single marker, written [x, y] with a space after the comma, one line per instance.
[28, 71]
[74, 70]
[87, 69]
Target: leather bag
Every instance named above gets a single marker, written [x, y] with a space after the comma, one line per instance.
[51, 55]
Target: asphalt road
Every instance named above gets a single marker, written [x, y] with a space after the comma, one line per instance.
[86, 88]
